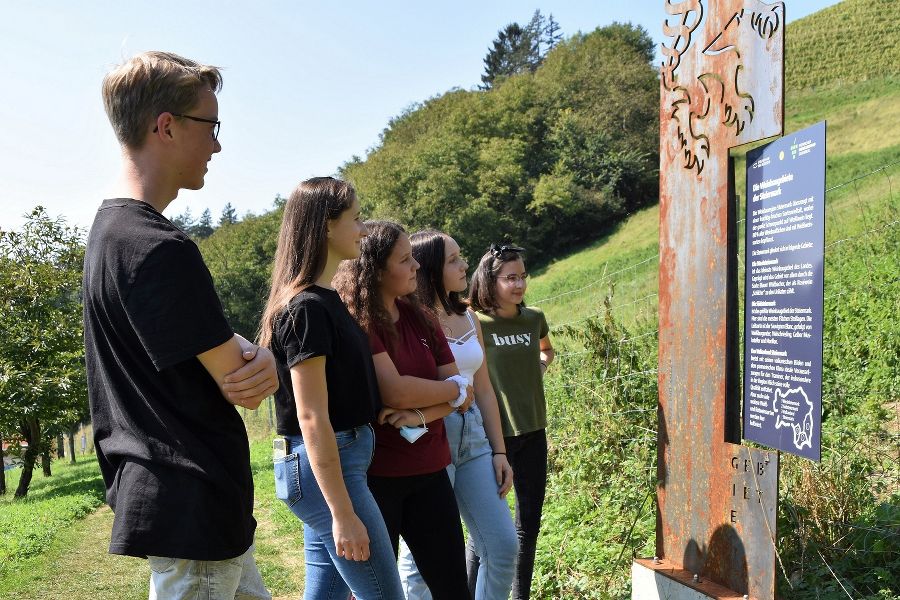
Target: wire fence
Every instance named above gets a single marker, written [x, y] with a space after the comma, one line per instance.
[588, 376]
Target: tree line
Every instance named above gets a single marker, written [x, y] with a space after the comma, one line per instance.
[203, 227]
[556, 147]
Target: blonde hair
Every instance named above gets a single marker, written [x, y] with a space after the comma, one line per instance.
[150, 83]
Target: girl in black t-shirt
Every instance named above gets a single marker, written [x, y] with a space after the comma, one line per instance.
[420, 383]
[328, 398]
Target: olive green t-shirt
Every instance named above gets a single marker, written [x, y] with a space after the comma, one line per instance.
[513, 352]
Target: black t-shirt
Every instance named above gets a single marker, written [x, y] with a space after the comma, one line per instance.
[173, 453]
[316, 323]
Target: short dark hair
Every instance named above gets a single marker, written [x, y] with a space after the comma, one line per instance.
[482, 297]
[429, 250]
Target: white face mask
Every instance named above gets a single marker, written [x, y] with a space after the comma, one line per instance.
[411, 434]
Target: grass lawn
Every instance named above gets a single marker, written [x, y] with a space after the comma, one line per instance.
[50, 550]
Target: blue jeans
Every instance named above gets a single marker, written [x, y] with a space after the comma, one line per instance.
[491, 529]
[329, 576]
[184, 579]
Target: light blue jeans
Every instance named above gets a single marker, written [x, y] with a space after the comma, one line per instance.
[329, 576]
[183, 579]
[484, 512]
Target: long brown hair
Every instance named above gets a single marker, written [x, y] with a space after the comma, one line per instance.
[358, 282]
[302, 250]
[429, 250]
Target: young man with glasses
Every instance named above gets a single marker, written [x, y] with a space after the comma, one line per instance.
[165, 370]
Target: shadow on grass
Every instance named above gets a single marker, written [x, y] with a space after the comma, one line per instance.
[82, 478]
[604, 234]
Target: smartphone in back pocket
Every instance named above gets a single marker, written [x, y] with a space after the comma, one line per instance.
[279, 448]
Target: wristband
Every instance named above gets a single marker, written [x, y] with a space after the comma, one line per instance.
[463, 383]
[498, 453]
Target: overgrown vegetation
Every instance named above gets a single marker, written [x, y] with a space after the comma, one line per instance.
[547, 159]
[839, 520]
[843, 514]
[602, 423]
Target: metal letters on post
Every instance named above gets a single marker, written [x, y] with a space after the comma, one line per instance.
[721, 86]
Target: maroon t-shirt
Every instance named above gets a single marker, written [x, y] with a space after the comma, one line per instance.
[414, 353]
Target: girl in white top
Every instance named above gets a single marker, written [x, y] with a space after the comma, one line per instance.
[479, 468]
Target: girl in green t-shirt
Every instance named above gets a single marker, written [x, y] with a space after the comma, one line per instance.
[518, 350]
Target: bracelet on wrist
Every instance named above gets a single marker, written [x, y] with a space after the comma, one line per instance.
[421, 416]
[498, 453]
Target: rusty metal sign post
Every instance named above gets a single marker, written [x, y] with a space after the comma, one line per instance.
[721, 86]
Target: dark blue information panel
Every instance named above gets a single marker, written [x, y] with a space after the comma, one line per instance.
[785, 264]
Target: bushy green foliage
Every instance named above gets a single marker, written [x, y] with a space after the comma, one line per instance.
[239, 257]
[545, 159]
[43, 389]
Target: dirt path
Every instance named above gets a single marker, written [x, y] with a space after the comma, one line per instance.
[78, 567]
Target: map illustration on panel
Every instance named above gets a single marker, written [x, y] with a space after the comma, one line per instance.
[793, 409]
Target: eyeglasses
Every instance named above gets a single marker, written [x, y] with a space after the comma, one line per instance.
[497, 250]
[218, 124]
[514, 279]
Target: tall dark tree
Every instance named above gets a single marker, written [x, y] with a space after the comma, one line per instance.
[514, 51]
[71, 435]
[551, 34]
[45, 461]
[185, 221]
[519, 49]
[228, 216]
[203, 228]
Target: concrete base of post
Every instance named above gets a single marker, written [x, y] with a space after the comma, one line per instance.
[657, 579]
